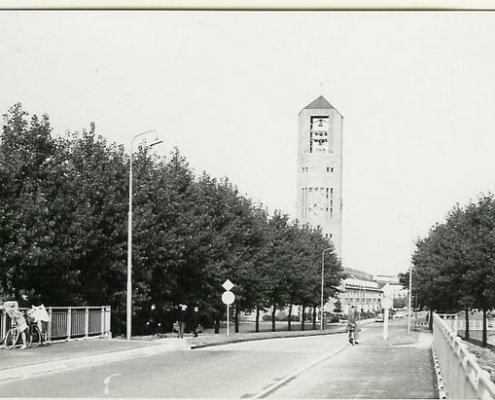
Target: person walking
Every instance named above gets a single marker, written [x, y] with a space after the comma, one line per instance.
[195, 321]
[181, 320]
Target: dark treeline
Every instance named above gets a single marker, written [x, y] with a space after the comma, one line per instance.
[63, 232]
[454, 266]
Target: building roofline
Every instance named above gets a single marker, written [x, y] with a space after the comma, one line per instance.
[320, 103]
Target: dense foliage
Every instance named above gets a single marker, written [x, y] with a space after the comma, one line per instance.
[63, 236]
[454, 266]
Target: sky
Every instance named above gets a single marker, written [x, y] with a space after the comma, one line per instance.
[416, 91]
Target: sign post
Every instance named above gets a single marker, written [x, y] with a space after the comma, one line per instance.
[228, 298]
[387, 303]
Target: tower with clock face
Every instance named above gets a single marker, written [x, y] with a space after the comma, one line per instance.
[319, 170]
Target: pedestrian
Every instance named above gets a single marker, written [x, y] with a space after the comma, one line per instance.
[352, 318]
[18, 320]
[41, 317]
[181, 320]
[195, 321]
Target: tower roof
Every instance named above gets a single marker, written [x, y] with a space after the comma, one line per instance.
[320, 104]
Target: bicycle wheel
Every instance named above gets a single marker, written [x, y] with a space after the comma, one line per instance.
[35, 337]
[11, 338]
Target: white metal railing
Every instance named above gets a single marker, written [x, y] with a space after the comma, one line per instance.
[476, 324]
[70, 322]
[463, 377]
[458, 324]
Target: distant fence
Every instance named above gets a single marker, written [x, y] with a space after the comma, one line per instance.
[462, 376]
[458, 325]
[70, 322]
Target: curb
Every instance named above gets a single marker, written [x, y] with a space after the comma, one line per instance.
[84, 361]
[252, 339]
[442, 393]
[311, 333]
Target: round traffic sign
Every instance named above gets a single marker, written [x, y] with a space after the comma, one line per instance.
[228, 297]
[387, 303]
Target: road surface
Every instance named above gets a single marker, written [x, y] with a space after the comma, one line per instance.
[237, 370]
[305, 367]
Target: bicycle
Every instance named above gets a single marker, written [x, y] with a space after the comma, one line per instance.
[33, 337]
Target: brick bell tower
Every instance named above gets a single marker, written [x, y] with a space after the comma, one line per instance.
[319, 170]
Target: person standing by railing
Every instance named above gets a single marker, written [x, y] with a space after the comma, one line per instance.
[36, 311]
[18, 320]
[41, 318]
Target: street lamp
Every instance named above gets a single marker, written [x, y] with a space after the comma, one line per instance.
[409, 307]
[322, 284]
[129, 235]
[409, 311]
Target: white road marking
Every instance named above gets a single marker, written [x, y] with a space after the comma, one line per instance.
[106, 382]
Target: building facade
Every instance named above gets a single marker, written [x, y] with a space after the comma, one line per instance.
[366, 296]
[319, 170]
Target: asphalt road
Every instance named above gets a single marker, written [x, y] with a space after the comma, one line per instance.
[239, 370]
[304, 367]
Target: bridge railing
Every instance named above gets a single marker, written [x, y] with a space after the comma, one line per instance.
[70, 322]
[462, 376]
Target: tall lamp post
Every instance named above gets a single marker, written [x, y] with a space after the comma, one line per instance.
[409, 312]
[129, 236]
[322, 284]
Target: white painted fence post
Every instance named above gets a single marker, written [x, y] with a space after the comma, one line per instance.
[49, 333]
[4, 326]
[69, 322]
[102, 326]
[86, 322]
[108, 316]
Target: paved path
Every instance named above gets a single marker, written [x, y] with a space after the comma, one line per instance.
[399, 368]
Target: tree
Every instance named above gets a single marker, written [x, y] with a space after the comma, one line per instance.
[455, 264]
[64, 208]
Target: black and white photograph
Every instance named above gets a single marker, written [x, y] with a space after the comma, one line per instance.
[246, 204]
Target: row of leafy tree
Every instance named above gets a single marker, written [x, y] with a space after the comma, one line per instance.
[454, 265]
[63, 232]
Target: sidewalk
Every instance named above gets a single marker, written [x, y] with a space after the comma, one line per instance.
[55, 357]
[400, 367]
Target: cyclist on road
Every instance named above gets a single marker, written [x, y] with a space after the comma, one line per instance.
[352, 319]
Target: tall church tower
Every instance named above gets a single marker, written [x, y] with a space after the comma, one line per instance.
[319, 170]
